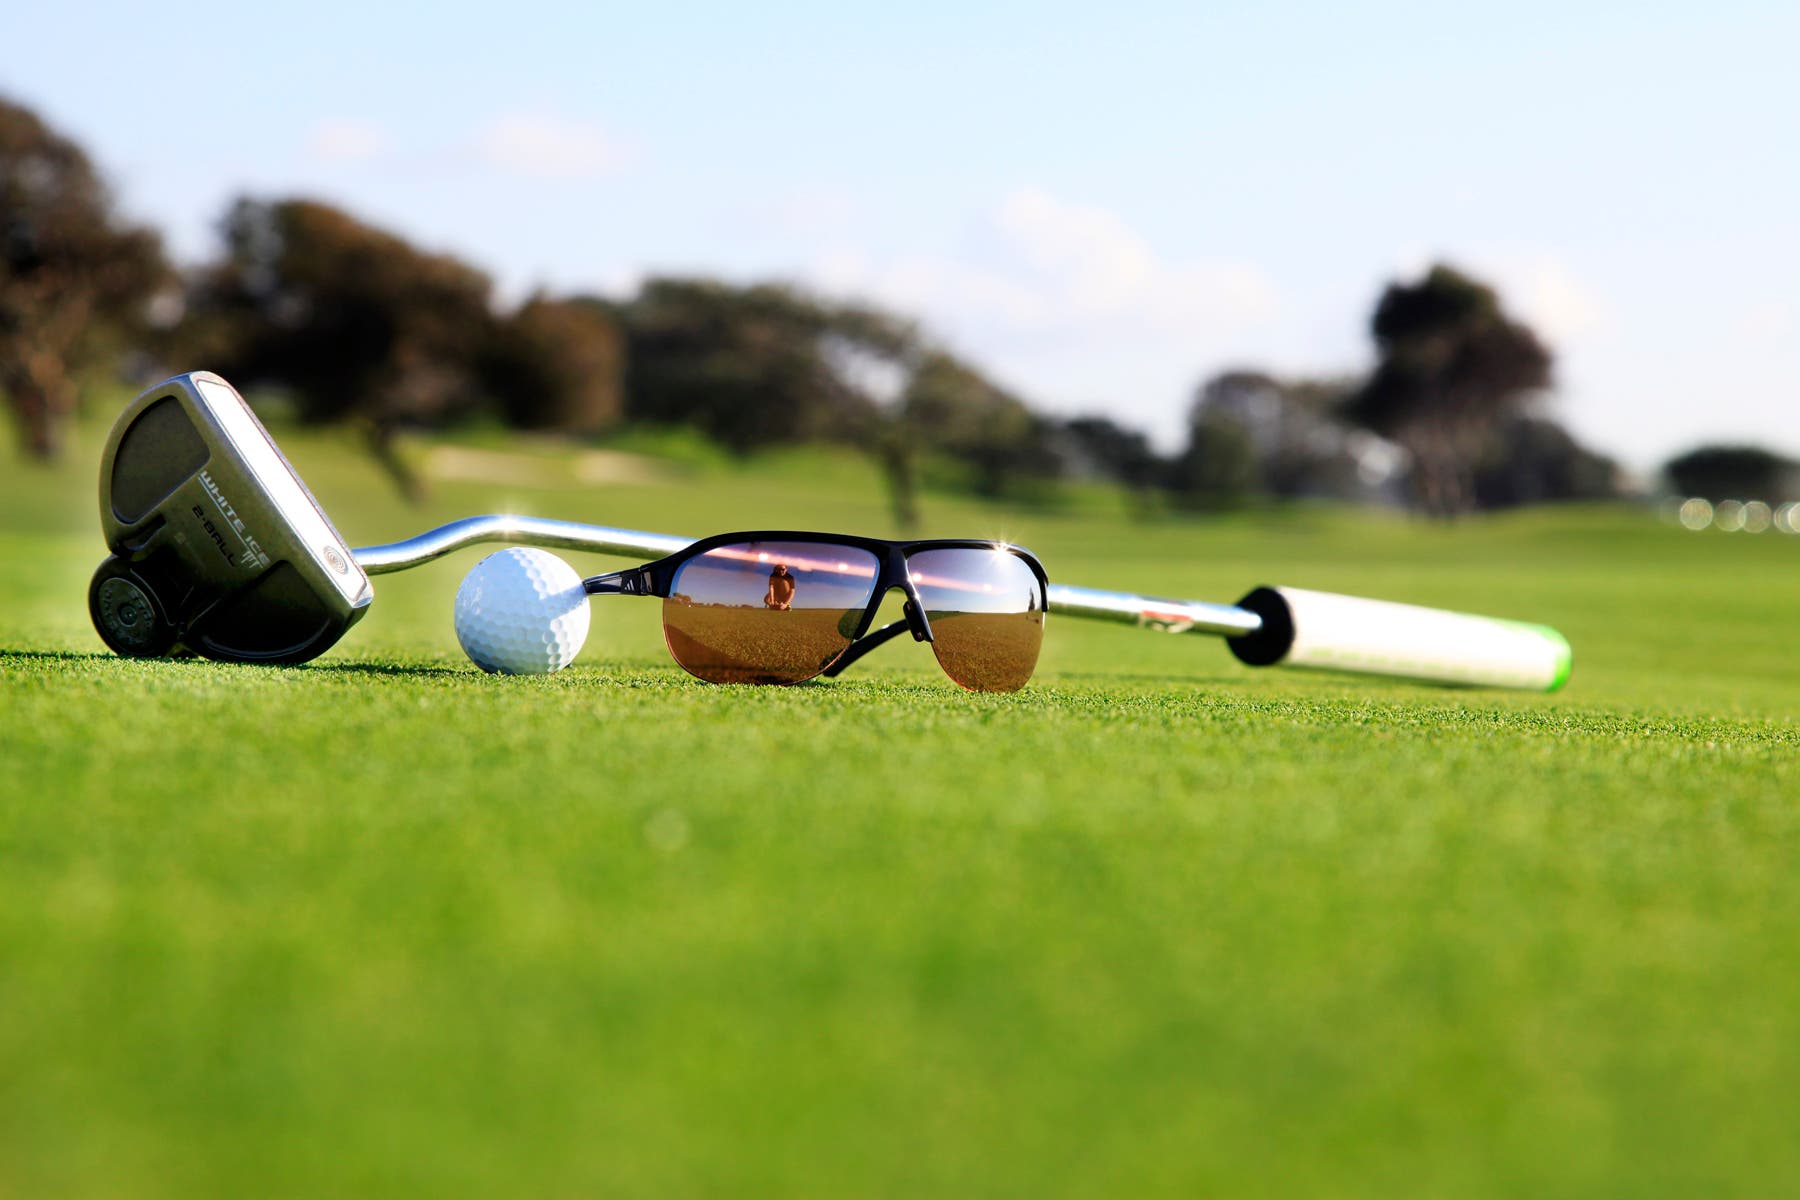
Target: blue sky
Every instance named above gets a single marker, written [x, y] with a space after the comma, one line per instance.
[1101, 207]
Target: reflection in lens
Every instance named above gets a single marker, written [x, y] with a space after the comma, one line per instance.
[767, 612]
[986, 609]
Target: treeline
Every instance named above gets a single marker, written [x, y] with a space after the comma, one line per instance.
[357, 324]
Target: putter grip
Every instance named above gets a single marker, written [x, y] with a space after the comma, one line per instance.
[1374, 637]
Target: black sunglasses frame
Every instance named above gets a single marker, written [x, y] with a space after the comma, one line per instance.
[658, 578]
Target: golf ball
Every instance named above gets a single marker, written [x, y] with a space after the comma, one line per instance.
[521, 612]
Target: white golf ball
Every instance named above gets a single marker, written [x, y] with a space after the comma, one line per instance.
[521, 612]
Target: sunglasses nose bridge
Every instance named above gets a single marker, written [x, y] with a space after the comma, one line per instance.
[913, 609]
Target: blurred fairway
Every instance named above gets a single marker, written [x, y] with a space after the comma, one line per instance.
[1158, 925]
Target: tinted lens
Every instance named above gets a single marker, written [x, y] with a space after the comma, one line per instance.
[986, 609]
[767, 612]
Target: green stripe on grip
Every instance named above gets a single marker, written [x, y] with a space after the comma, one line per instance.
[1565, 654]
[1565, 661]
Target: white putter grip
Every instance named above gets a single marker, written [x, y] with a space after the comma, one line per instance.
[1374, 637]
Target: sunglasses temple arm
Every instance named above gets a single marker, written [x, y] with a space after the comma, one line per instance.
[636, 581]
[864, 644]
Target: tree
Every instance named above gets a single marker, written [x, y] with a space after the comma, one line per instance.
[756, 366]
[1452, 370]
[74, 279]
[558, 364]
[1251, 434]
[357, 322]
[1734, 473]
[951, 408]
[1102, 447]
[1537, 461]
[1310, 450]
[771, 365]
[1219, 468]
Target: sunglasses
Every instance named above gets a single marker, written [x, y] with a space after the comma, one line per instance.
[783, 607]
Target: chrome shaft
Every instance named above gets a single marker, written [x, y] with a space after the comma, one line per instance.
[531, 531]
[1173, 616]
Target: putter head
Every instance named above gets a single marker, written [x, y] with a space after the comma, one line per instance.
[217, 547]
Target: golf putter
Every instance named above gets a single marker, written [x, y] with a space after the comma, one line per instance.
[218, 549]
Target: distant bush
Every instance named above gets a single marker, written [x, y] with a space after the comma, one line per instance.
[1533, 460]
[1734, 473]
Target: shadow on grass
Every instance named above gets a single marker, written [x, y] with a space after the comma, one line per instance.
[1317, 680]
[68, 656]
[1145, 677]
[395, 670]
[83, 658]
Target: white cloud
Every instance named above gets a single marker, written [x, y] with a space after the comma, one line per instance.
[1092, 254]
[1769, 321]
[1043, 269]
[953, 296]
[541, 146]
[1552, 299]
[346, 141]
[1072, 305]
[808, 210]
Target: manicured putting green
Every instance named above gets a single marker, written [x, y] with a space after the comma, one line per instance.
[1157, 925]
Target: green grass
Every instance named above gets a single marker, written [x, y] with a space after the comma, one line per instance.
[1158, 925]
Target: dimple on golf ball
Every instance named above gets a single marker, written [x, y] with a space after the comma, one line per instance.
[521, 612]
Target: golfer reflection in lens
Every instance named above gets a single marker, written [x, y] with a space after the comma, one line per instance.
[780, 596]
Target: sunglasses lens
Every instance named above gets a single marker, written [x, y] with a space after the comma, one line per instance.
[767, 612]
[986, 609]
